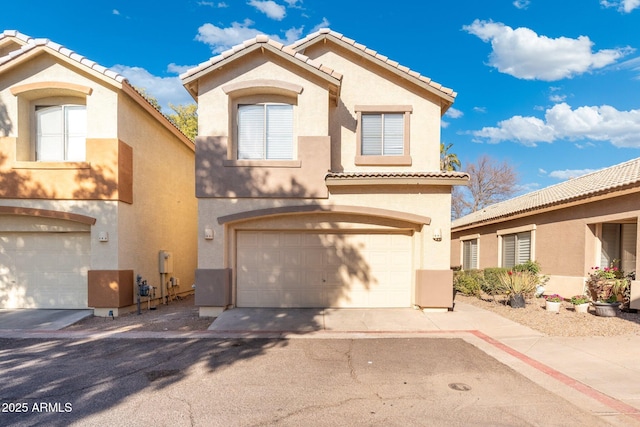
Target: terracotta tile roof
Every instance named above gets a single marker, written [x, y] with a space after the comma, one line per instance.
[264, 41]
[374, 56]
[32, 43]
[596, 183]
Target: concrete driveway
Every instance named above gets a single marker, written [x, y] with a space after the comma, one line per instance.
[43, 320]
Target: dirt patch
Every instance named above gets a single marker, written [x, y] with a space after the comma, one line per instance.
[178, 315]
[565, 323]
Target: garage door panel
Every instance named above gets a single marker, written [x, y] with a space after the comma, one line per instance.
[44, 270]
[323, 270]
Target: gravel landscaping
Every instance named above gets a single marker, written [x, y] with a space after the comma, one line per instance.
[565, 323]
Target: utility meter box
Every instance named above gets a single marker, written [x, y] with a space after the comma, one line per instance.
[165, 259]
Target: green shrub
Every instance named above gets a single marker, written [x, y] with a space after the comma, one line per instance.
[532, 267]
[468, 282]
[491, 283]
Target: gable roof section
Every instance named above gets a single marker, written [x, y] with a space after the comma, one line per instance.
[190, 77]
[31, 46]
[447, 94]
[604, 181]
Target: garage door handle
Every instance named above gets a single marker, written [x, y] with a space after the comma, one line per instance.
[323, 281]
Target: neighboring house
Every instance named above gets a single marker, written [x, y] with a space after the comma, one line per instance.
[317, 178]
[94, 182]
[568, 228]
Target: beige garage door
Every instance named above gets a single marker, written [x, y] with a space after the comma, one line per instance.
[44, 270]
[298, 269]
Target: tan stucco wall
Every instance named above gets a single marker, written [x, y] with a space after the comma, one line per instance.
[163, 215]
[366, 84]
[565, 239]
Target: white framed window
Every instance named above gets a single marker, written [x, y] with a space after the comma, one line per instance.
[61, 132]
[265, 132]
[470, 254]
[516, 248]
[382, 134]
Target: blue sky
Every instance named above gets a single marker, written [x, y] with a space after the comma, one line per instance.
[552, 87]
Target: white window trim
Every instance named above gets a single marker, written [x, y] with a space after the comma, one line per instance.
[523, 229]
[265, 106]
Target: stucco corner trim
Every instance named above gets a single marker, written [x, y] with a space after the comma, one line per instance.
[416, 220]
[46, 213]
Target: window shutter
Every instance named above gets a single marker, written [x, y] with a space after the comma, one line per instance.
[371, 134]
[393, 134]
[508, 250]
[50, 134]
[251, 132]
[524, 247]
[628, 252]
[279, 132]
[470, 254]
[610, 244]
[76, 132]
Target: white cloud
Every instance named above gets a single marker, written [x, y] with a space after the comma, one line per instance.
[557, 98]
[444, 124]
[294, 3]
[323, 24]
[115, 12]
[178, 69]
[542, 171]
[270, 8]
[480, 109]
[604, 123]
[625, 6]
[165, 89]
[221, 39]
[526, 55]
[526, 130]
[521, 4]
[563, 175]
[454, 113]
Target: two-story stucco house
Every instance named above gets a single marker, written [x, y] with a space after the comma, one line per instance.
[317, 178]
[94, 183]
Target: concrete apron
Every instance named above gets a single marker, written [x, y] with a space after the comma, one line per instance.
[40, 319]
[306, 320]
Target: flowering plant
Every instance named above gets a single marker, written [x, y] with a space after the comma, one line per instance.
[579, 299]
[554, 298]
[606, 273]
[605, 284]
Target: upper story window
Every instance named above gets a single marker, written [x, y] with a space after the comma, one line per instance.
[61, 132]
[382, 134]
[265, 131]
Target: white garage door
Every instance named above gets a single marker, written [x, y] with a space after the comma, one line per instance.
[44, 270]
[289, 269]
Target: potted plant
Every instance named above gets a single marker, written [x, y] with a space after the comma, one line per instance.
[580, 303]
[605, 286]
[517, 285]
[553, 303]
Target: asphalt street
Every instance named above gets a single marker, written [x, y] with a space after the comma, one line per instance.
[261, 382]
